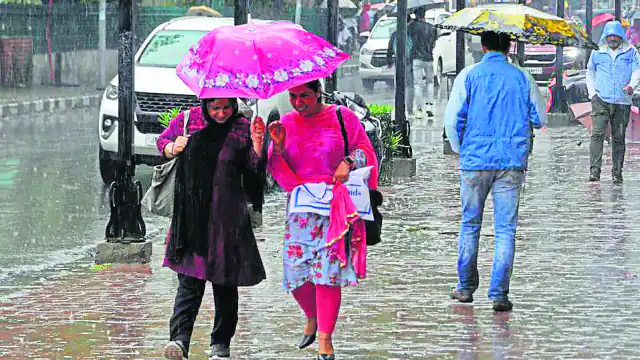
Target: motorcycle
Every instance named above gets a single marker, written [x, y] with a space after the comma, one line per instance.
[372, 125]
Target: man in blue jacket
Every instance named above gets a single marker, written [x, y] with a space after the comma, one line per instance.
[613, 72]
[489, 120]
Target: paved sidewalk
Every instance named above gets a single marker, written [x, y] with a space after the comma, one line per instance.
[574, 284]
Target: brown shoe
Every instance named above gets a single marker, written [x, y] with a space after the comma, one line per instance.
[460, 296]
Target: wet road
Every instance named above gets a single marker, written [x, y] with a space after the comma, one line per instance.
[575, 281]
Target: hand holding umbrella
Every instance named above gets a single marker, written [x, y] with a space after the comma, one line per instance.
[257, 134]
[277, 133]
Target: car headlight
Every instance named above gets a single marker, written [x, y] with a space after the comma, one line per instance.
[366, 51]
[108, 125]
[571, 53]
[111, 93]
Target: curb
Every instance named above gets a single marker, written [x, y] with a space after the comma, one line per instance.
[49, 105]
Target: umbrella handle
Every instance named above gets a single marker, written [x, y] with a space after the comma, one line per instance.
[257, 109]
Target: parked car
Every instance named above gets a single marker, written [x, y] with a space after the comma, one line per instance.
[540, 60]
[444, 52]
[158, 90]
[373, 54]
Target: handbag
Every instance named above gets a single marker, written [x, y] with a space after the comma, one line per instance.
[159, 198]
[373, 228]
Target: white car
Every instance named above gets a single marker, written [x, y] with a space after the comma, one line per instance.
[444, 52]
[373, 54]
[158, 89]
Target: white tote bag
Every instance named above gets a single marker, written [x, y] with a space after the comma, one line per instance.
[159, 198]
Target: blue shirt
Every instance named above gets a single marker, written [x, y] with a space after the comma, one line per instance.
[609, 70]
[491, 113]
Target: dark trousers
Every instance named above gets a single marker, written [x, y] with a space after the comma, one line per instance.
[603, 113]
[187, 306]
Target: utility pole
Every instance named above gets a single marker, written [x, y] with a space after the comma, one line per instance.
[241, 12]
[589, 19]
[102, 43]
[460, 53]
[125, 224]
[618, 9]
[401, 81]
[332, 36]
[520, 44]
[558, 95]
[298, 11]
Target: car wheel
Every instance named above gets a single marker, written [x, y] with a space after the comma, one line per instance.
[107, 167]
[368, 84]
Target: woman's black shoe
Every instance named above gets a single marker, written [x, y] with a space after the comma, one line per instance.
[306, 341]
[326, 357]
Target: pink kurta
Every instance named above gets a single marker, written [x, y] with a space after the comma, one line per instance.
[313, 150]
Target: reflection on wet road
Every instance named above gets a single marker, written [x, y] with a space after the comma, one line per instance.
[574, 286]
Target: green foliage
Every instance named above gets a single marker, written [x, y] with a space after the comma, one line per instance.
[101, 267]
[380, 110]
[391, 137]
[166, 117]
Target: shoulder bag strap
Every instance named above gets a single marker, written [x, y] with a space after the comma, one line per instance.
[185, 129]
[344, 131]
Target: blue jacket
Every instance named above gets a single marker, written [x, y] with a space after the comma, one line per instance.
[608, 71]
[490, 114]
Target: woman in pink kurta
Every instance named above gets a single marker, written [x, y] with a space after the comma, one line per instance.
[321, 254]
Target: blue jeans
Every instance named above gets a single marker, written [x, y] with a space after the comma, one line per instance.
[505, 187]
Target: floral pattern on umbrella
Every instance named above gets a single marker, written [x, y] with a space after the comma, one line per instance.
[522, 23]
[257, 60]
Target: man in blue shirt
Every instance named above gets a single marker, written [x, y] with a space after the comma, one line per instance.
[489, 120]
[613, 72]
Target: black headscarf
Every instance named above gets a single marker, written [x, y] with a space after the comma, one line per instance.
[195, 171]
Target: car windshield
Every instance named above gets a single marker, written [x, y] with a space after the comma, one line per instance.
[168, 47]
[384, 29]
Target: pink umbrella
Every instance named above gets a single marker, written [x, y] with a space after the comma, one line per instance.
[601, 19]
[257, 60]
[582, 113]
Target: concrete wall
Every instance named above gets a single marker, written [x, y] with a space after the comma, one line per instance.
[78, 68]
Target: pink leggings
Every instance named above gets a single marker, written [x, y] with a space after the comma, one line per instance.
[321, 302]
